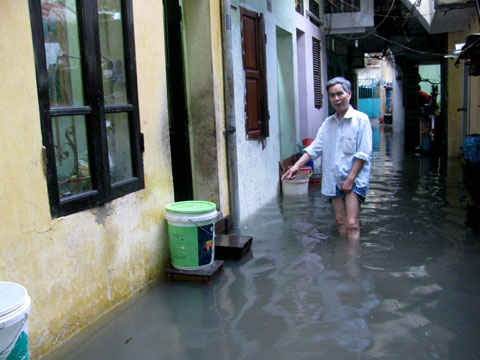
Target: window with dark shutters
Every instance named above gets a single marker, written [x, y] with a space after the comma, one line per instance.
[253, 50]
[317, 73]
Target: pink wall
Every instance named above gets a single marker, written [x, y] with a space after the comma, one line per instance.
[310, 118]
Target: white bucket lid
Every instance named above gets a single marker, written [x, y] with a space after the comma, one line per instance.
[14, 301]
[191, 218]
[297, 181]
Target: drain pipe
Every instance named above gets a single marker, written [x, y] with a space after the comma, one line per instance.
[230, 124]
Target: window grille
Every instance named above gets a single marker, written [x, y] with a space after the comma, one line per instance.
[341, 6]
[299, 6]
[314, 8]
[86, 77]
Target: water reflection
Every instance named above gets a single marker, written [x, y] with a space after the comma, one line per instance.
[348, 253]
[409, 289]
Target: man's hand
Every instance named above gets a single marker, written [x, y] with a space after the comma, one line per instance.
[291, 173]
[347, 185]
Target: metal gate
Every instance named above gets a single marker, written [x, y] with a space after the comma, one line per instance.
[369, 97]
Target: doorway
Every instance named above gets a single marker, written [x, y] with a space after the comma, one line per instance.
[286, 94]
[177, 103]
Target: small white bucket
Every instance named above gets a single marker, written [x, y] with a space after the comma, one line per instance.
[14, 308]
[295, 186]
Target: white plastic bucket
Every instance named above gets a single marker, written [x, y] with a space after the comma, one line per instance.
[295, 187]
[14, 309]
[191, 231]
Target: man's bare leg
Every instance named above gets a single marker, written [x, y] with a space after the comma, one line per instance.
[340, 215]
[352, 205]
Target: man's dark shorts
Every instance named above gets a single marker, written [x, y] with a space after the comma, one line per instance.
[360, 192]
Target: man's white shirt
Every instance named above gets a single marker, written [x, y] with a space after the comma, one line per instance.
[340, 142]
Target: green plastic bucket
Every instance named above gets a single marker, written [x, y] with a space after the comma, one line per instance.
[14, 309]
[191, 232]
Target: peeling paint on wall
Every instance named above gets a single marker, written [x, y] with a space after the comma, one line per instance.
[77, 267]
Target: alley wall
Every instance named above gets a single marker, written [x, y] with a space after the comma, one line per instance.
[77, 267]
[310, 117]
[455, 98]
[257, 160]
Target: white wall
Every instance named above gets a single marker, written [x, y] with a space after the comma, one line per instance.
[302, 82]
[352, 22]
[398, 119]
[310, 118]
[257, 163]
[286, 93]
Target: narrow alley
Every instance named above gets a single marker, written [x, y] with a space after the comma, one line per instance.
[116, 110]
[409, 290]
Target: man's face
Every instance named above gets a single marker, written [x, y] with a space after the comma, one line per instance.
[339, 98]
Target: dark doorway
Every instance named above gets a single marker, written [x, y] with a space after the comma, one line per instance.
[177, 108]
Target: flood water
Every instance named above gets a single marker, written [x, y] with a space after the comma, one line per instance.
[410, 289]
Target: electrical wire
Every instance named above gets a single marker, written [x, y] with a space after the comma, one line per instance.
[357, 9]
[408, 48]
[430, 81]
[398, 53]
[373, 30]
[417, 3]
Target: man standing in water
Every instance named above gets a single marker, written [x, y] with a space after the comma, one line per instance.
[344, 141]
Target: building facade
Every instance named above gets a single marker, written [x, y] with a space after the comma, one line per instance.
[87, 165]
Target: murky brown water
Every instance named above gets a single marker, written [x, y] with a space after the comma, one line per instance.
[409, 290]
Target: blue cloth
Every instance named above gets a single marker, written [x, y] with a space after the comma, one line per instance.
[471, 148]
[360, 192]
[340, 143]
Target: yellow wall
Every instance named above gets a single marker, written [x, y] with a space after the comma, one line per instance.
[475, 105]
[219, 100]
[455, 85]
[202, 26]
[202, 116]
[474, 90]
[455, 91]
[77, 267]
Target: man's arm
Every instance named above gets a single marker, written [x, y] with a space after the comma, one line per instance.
[315, 148]
[290, 174]
[347, 185]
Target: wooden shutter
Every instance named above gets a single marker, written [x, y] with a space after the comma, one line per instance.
[317, 73]
[263, 69]
[255, 85]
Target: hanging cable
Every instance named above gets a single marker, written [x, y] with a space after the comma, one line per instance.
[357, 9]
[408, 48]
[372, 31]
